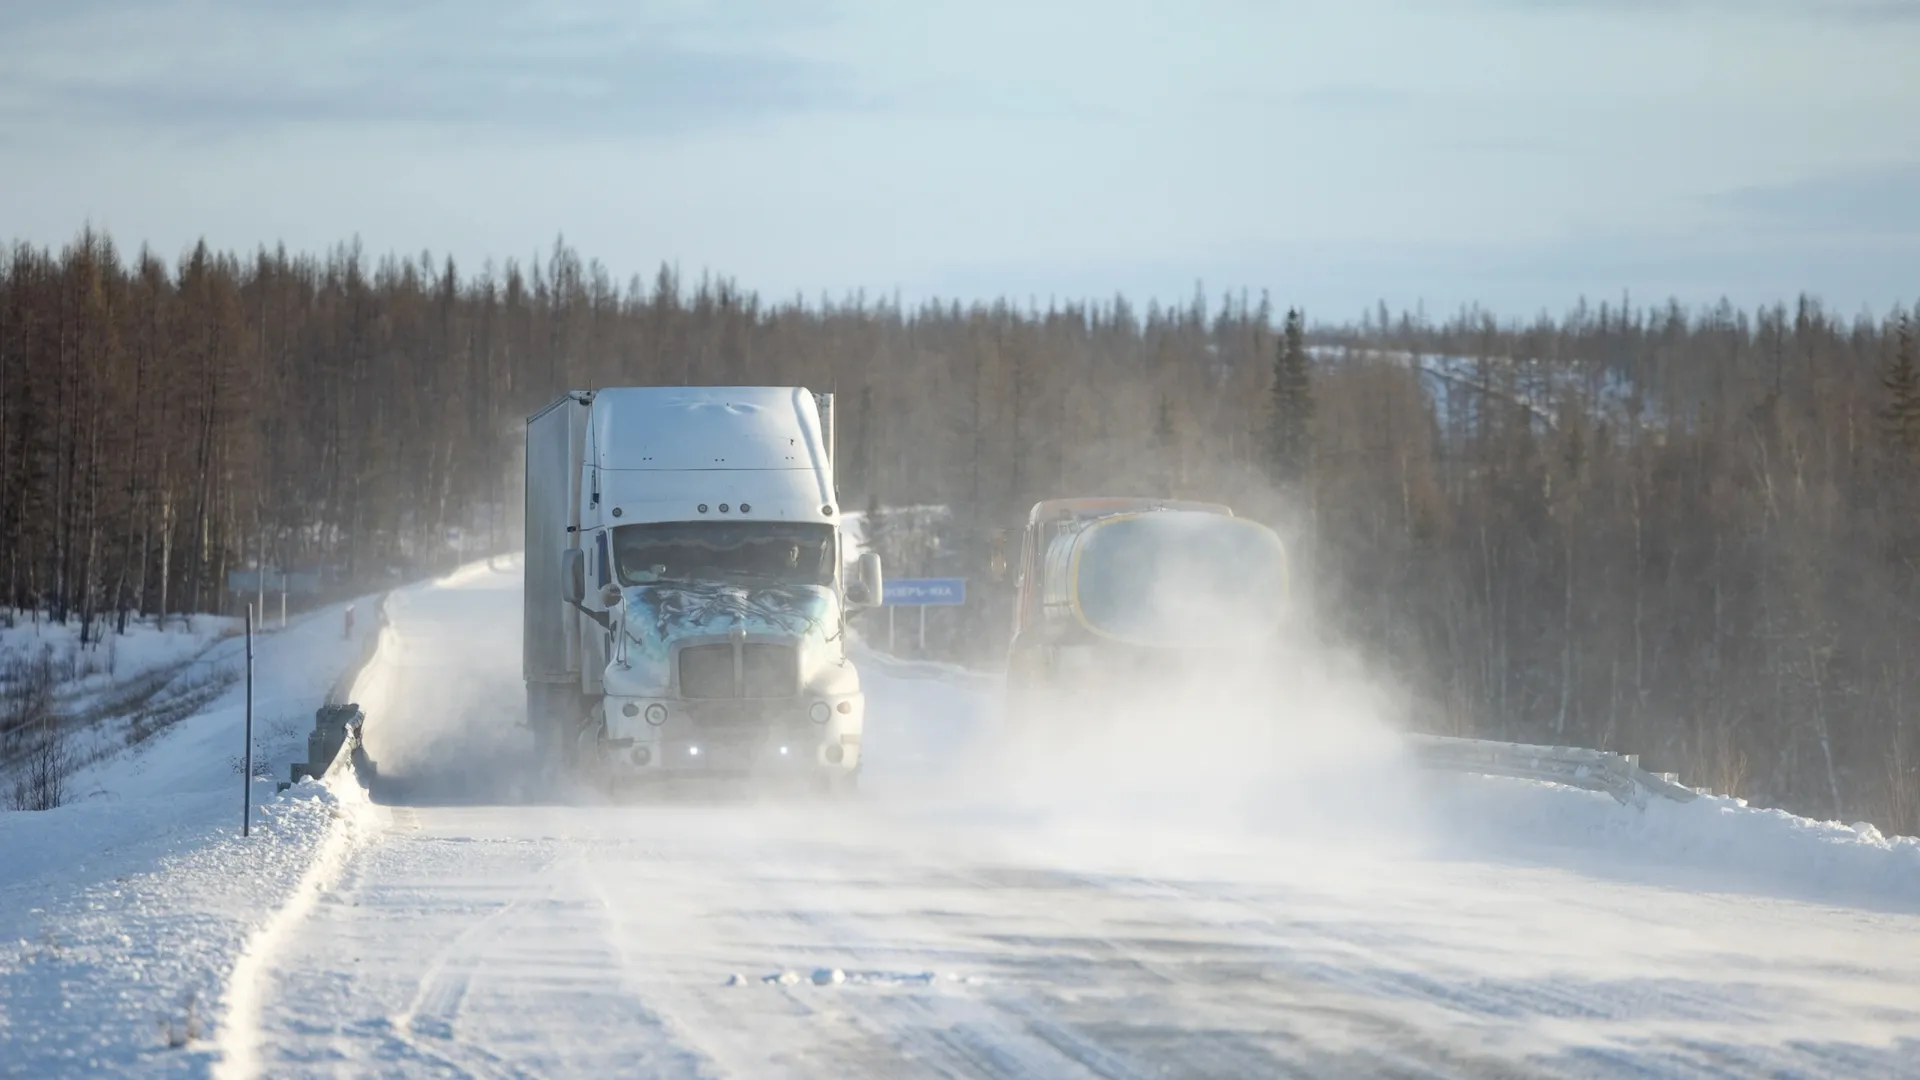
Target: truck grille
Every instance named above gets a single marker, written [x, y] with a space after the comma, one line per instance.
[706, 671]
[766, 671]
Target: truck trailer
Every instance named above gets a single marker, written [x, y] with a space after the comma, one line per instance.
[685, 596]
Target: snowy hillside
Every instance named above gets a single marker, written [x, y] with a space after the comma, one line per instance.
[1459, 386]
[65, 704]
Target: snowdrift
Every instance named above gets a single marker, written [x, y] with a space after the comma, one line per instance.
[1712, 842]
[122, 913]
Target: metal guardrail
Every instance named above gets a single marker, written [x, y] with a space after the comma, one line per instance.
[1619, 775]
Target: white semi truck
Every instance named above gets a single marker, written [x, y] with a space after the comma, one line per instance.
[686, 596]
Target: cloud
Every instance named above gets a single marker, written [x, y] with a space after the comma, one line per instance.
[1353, 96]
[1877, 202]
[225, 68]
[1338, 97]
[1697, 266]
[1867, 11]
[1748, 265]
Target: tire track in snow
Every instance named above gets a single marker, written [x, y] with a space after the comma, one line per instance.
[936, 1028]
[434, 1012]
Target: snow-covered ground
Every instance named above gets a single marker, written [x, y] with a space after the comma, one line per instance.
[96, 666]
[122, 912]
[112, 693]
[1135, 905]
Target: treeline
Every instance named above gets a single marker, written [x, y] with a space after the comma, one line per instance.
[1689, 535]
[1695, 537]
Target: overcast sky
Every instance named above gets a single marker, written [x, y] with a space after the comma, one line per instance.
[1518, 153]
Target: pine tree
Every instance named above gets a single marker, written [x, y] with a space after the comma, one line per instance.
[1289, 441]
[1166, 449]
[875, 531]
[1902, 382]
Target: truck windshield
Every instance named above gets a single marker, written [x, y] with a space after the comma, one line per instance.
[1181, 579]
[742, 551]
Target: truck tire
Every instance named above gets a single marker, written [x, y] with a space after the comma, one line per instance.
[590, 758]
[550, 720]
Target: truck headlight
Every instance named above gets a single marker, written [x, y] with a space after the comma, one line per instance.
[656, 714]
[820, 712]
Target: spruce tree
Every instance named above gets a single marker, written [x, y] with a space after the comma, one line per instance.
[875, 529]
[1166, 449]
[1902, 382]
[1289, 440]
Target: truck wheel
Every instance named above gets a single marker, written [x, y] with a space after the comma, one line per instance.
[590, 758]
[543, 723]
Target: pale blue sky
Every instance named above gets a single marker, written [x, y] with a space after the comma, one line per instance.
[1519, 153]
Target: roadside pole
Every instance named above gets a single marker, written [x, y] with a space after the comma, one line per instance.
[923, 629]
[246, 771]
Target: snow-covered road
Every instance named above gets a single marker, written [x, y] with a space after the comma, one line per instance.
[475, 928]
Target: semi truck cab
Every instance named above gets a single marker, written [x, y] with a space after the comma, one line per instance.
[686, 596]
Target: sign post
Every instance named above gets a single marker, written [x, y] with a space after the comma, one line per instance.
[246, 769]
[922, 593]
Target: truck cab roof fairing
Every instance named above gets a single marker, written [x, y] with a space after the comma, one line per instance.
[663, 451]
[683, 428]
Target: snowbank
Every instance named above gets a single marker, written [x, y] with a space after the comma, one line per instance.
[115, 965]
[1711, 843]
[122, 913]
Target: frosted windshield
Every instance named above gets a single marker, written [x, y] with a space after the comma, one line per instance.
[746, 552]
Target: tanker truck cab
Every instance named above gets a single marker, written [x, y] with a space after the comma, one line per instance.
[704, 577]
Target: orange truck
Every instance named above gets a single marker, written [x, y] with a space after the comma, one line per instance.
[1114, 587]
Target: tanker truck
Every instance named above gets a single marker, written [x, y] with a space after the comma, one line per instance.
[1121, 596]
[685, 597]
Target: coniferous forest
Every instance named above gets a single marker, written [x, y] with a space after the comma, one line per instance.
[1688, 534]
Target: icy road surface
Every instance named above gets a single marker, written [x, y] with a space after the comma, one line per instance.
[930, 927]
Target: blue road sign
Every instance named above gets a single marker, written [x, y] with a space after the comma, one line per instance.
[922, 592]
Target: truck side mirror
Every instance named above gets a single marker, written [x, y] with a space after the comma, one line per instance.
[573, 574]
[609, 595]
[870, 580]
